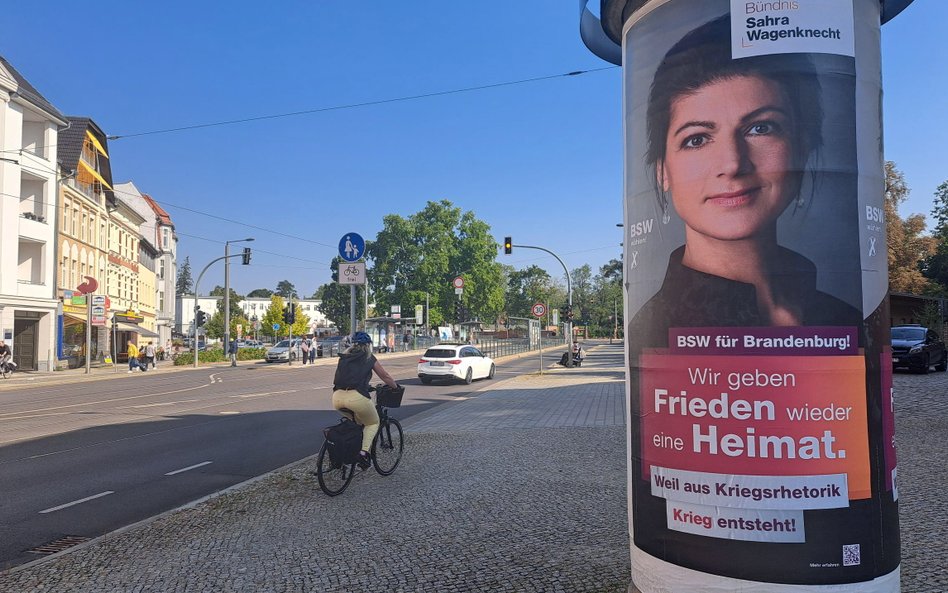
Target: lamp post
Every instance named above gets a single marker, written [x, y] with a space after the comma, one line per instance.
[253, 320]
[233, 360]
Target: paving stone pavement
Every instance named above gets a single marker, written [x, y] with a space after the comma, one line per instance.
[518, 488]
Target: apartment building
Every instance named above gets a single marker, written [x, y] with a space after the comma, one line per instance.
[29, 135]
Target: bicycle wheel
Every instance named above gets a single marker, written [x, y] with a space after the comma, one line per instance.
[333, 478]
[387, 447]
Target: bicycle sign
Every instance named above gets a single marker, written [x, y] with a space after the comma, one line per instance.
[539, 310]
[353, 273]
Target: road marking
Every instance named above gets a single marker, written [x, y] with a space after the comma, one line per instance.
[103, 401]
[245, 395]
[180, 401]
[228, 413]
[190, 467]
[215, 379]
[75, 502]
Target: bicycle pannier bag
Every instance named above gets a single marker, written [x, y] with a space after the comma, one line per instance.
[344, 441]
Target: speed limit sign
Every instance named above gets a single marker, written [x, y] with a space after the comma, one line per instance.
[539, 310]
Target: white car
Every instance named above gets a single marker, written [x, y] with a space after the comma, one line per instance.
[454, 361]
[281, 351]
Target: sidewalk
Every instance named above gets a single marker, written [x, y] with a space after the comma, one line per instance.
[520, 487]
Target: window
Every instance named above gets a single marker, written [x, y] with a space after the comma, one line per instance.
[161, 268]
[83, 232]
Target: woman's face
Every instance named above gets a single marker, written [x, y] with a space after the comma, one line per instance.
[729, 162]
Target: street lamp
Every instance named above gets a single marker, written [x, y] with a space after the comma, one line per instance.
[233, 361]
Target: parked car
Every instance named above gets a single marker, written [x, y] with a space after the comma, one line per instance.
[454, 362]
[918, 348]
[281, 351]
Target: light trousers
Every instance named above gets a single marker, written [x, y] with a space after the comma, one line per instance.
[364, 410]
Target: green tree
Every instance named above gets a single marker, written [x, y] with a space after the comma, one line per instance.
[286, 289]
[936, 265]
[907, 247]
[263, 293]
[273, 315]
[526, 287]
[235, 310]
[419, 256]
[335, 299]
[185, 283]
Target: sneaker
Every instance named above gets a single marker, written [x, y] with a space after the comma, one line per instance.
[365, 461]
[130, 370]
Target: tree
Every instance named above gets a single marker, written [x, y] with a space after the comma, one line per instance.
[286, 289]
[235, 310]
[263, 293]
[185, 284]
[936, 266]
[907, 247]
[335, 299]
[419, 256]
[526, 287]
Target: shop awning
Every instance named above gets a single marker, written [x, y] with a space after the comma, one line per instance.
[68, 317]
[94, 173]
[97, 144]
[131, 327]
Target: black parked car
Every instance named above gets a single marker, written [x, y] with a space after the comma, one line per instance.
[918, 348]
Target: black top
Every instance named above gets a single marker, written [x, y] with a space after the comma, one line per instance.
[354, 371]
[4, 350]
[689, 298]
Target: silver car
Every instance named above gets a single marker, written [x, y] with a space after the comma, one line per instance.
[281, 351]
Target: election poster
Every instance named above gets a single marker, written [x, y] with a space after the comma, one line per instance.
[761, 440]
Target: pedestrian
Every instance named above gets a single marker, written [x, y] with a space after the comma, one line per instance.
[233, 353]
[304, 347]
[169, 348]
[133, 355]
[312, 350]
[406, 340]
[150, 355]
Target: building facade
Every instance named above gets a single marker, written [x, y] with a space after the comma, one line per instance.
[29, 307]
[85, 200]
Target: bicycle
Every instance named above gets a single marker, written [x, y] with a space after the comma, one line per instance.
[6, 368]
[386, 451]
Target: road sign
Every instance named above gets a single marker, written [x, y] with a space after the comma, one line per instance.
[98, 320]
[539, 310]
[353, 273]
[98, 300]
[98, 310]
[351, 248]
[419, 314]
[276, 326]
[458, 282]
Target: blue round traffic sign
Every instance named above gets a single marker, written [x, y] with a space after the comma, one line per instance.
[276, 326]
[351, 247]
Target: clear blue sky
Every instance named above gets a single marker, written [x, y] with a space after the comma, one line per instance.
[540, 161]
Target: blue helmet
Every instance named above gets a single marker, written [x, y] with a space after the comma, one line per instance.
[361, 338]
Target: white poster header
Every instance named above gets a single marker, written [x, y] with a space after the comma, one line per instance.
[792, 26]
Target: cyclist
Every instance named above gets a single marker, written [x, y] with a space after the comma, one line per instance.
[351, 388]
[5, 353]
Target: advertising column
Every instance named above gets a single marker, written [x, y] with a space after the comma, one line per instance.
[761, 442]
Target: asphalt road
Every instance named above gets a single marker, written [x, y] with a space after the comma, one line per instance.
[82, 459]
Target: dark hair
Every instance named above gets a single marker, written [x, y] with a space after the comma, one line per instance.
[702, 57]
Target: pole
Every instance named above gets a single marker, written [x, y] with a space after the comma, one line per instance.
[227, 303]
[114, 345]
[88, 333]
[427, 313]
[352, 310]
[567, 324]
[196, 283]
[289, 326]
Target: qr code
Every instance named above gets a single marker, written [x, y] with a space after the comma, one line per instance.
[851, 555]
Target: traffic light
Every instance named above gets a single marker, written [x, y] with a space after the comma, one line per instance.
[200, 317]
[569, 312]
[457, 310]
[246, 258]
[508, 245]
[289, 314]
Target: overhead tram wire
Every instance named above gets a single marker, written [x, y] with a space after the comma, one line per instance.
[357, 105]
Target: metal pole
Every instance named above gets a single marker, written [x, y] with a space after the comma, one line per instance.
[289, 326]
[196, 283]
[567, 324]
[227, 301]
[114, 345]
[427, 313]
[88, 333]
[352, 310]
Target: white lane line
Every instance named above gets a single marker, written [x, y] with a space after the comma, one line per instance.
[190, 467]
[180, 401]
[80, 501]
[3, 416]
[245, 395]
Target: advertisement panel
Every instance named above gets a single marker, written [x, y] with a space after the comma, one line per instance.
[761, 434]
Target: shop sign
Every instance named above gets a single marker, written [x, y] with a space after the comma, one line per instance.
[78, 299]
[129, 317]
[98, 320]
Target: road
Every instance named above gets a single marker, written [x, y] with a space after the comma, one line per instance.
[82, 459]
